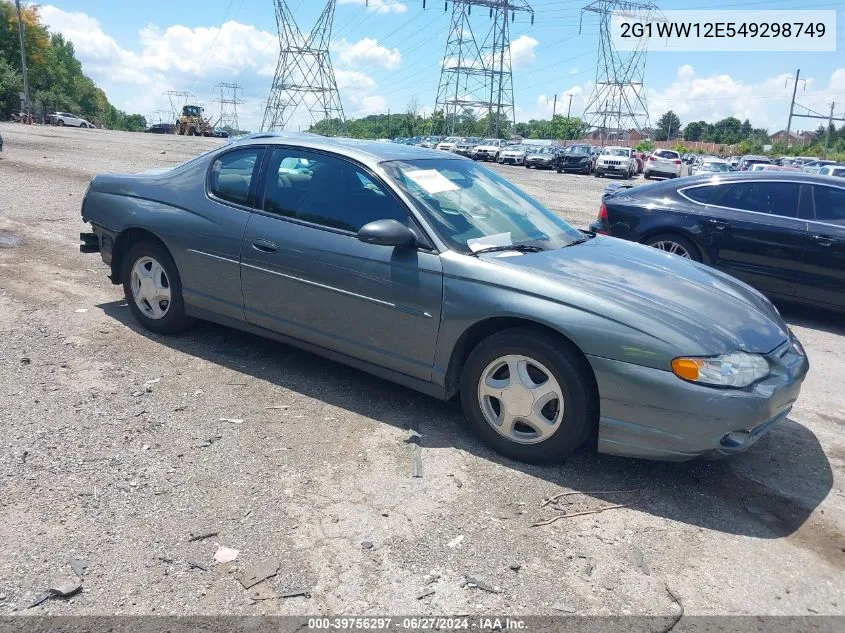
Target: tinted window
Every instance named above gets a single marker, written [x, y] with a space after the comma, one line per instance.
[778, 198]
[231, 176]
[830, 204]
[662, 153]
[327, 191]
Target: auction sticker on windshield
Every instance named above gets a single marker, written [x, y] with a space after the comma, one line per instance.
[488, 241]
[432, 181]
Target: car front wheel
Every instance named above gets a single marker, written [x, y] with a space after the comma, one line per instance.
[528, 395]
[153, 289]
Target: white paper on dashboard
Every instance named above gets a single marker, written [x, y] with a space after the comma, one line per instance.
[498, 239]
[432, 181]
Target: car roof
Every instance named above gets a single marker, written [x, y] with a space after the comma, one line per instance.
[366, 151]
[730, 177]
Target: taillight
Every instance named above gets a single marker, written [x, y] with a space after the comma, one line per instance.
[677, 162]
[603, 212]
[652, 158]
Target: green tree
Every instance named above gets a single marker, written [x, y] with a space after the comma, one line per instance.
[645, 146]
[745, 129]
[668, 127]
[694, 131]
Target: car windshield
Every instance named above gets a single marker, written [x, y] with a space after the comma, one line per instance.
[615, 152]
[490, 141]
[580, 149]
[471, 207]
[543, 150]
[715, 167]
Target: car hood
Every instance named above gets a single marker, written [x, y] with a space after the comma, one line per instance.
[539, 156]
[678, 301]
[487, 147]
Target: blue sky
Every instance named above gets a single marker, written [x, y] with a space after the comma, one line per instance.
[388, 54]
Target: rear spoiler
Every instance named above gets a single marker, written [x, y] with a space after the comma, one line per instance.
[614, 188]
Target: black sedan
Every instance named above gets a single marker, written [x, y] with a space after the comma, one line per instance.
[784, 234]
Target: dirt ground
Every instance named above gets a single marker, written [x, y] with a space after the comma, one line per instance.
[119, 445]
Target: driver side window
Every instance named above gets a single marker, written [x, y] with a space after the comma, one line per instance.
[326, 191]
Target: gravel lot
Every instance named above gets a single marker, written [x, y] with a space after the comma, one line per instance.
[118, 445]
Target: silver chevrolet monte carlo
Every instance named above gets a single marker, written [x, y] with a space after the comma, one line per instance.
[436, 273]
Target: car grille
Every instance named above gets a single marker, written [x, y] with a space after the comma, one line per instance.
[612, 162]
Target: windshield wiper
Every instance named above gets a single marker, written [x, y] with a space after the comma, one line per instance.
[522, 248]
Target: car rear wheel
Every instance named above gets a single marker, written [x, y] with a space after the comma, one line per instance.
[60, 123]
[153, 289]
[675, 245]
[528, 396]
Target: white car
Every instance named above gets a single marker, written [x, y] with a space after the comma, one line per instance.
[663, 162]
[711, 165]
[71, 120]
[488, 149]
[827, 170]
[616, 160]
[514, 154]
[448, 144]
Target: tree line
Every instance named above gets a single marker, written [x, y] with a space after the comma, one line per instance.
[56, 80]
[412, 123]
[751, 140]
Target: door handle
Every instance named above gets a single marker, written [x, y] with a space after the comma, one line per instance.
[265, 246]
[823, 240]
[718, 224]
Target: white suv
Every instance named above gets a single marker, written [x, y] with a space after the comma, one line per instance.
[71, 120]
[616, 160]
[663, 162]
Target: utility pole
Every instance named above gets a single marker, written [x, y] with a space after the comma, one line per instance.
[568, 111]
[829, 125]
[23, 61]
[388, 123]
[792, 104]
[554, 108]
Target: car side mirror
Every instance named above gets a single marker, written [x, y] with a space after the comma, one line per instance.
[387, 233]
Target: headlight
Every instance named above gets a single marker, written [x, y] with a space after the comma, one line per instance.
[738, 369]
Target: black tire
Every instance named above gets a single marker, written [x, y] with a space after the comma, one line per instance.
[687, 244]
[647, 175]
[597, 174]
[60, 123]
[570, 369]
[175, 320]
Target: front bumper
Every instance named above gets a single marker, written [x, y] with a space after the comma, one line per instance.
[513, 160]
[653, 414]
[539, 163]
[573, 166]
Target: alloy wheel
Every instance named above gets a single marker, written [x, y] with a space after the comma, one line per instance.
[150, 288]
[521, 399]
[671, 247]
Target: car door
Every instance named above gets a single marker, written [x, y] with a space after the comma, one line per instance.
[824, 276]
[306, 275]
[206, 241]
[73, 120]
[752, 231]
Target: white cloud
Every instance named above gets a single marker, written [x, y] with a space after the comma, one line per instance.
[368, 52]
[379, 6]
[523, 51]
[765, 102]
[182, 58]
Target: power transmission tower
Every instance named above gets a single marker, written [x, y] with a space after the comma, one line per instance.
[228, 102]
[304, 74]
[618, 100]
[177, 99]
[476, 78]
